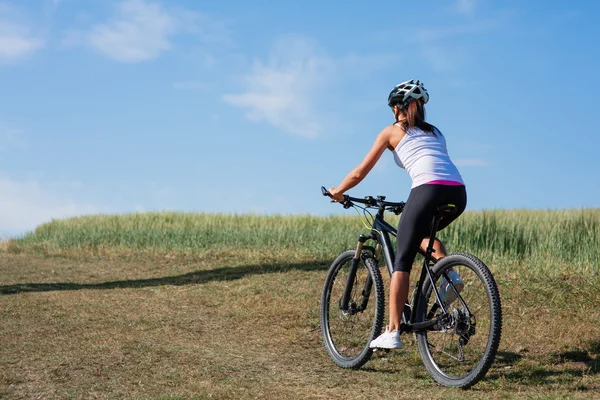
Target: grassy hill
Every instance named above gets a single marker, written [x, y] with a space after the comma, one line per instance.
[198, 306]
[547, 241]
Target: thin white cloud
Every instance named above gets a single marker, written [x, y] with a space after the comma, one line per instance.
[16, 40]
[143, 30]
[466, 6]
[383, 165]
[441, 46]
[11, 138]
[140, 32]
[471, 162]
[367, 63]
[26, 204]
[282, 90]
[439, 58]
[190, 85]
[438, 34]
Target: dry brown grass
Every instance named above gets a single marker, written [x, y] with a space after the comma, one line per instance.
[246, 325]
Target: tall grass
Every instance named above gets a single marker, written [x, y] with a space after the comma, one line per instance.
[564, 238]
[173, 231]
[545, 239]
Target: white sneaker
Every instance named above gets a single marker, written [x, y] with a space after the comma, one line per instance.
[447, 294]
[387, 340]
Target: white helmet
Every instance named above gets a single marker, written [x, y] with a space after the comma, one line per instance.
[406, 92]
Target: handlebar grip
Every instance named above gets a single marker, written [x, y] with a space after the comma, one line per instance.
[325, 192]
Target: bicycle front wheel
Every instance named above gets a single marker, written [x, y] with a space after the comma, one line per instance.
[460, 351]
[347, 332]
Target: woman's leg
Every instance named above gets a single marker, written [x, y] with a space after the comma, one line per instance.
[398, 295]
[399, 286]
[414, 222]
[438, 246]
[412, 228]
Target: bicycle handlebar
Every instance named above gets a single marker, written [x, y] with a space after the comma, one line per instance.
[369, 201]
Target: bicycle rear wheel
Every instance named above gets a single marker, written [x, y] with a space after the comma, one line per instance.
[461, 351]
[348, 333]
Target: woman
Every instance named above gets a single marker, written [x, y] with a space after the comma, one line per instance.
[420, 148]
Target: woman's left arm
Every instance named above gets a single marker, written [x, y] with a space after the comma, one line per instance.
[382, 142]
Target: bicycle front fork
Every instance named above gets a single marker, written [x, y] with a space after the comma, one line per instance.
[352, 277]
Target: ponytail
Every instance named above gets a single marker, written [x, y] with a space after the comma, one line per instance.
[415, 117]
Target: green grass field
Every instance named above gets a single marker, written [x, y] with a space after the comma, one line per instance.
[549, 241]
[197, 306]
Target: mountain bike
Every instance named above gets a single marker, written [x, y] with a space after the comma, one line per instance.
[457, 339]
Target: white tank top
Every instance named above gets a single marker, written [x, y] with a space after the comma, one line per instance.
[425, 157]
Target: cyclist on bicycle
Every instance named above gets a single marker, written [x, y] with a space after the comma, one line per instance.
[420, 148]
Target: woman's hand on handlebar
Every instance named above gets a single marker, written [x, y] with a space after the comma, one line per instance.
[335, 195]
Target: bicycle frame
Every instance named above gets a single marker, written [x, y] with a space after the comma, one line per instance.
[442, 326]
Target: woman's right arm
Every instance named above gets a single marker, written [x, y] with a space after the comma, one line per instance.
[383, 141]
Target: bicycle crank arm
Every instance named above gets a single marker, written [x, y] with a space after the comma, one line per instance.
[418, 326]
[431, 325]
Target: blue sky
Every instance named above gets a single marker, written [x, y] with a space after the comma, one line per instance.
[235, 106]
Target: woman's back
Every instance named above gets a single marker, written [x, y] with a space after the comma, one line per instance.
[425, 157]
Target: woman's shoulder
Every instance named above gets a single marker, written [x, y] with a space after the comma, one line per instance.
[393, 134]
[392, 130]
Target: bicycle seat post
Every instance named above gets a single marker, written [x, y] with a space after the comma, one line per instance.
[434, 225]
[448, 209]
[430, 250]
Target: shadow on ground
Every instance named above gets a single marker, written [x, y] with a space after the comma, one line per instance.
[570, 365]
[190, 278]
[551, 369]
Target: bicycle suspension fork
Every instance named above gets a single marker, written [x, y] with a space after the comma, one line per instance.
[352, 277]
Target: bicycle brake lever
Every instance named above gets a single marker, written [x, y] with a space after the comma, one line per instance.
[346, 202]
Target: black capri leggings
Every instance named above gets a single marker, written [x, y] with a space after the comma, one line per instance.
[415, 221]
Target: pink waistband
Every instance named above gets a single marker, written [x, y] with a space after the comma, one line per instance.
[444, 182]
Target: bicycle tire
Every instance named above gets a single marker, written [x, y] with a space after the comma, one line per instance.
[440, 373]
[348, 346]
